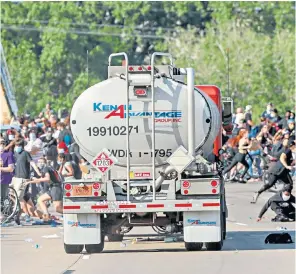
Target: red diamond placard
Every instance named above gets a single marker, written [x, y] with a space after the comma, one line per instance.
[103, 161]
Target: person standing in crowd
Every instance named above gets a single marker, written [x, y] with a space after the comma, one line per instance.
[283, 123]
[6, 168]
[65, 166]
[267, 113]
[248, 118]
[22, 172]
[34, 145]
[64, 135]
[280, 171]
[282, 204]
[54, 193]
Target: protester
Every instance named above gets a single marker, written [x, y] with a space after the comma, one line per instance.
[6, 168]
[248, 118]
[282, 204]
[240, 157]
[280, 171]
[22, 173]
[54, 193]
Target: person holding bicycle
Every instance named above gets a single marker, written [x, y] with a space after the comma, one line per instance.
[280, 171]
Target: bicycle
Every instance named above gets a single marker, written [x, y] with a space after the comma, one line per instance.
[10, 207]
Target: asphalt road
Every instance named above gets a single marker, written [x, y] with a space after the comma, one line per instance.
[244, 251]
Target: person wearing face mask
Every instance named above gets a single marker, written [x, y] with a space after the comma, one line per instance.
[291, 128]
[6, 168]
[283, 204]
[279, 171]
[22, 172]
[54, 192]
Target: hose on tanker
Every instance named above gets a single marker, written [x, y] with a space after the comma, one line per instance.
[159, 229]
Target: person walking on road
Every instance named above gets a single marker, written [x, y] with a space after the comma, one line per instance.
[280, 171]
[282, 204]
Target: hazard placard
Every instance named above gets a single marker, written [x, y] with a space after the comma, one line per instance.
[104, 161]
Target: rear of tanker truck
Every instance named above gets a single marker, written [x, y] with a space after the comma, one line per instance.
[148, 138]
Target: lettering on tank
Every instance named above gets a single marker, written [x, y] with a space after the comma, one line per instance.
[120, 111]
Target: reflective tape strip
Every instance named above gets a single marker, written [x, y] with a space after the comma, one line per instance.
[183, 205]
[127, 206]
[155, 205]
[72, 207]
[99, 206]
[211, 204]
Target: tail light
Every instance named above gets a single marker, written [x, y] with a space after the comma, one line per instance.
[185, 191]
[149, 68]
[140, 68]
[68, 194]
[68, 187]
[96, 193]
[186, 184]
[131, 69]
[96, 186]
[214, 183]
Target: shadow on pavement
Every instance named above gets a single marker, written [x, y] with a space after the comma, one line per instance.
[235, 241]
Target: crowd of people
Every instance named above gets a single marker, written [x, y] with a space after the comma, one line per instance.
[274, 138]
[35, 160]
[38, 157]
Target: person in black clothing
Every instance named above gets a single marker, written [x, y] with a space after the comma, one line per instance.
[280, 171]
[283, 123]
[248, 118]
[240, 157]
[281, 204]
[22, 173]
[54, 193]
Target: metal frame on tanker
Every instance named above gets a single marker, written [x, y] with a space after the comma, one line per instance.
[188, 199]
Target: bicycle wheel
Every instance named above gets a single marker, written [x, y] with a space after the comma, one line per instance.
[10, 206]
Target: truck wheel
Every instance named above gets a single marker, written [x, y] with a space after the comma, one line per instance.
[96, 248]
[115, 237]
[193, 246]
[73, 249]
[214, 246]
[224, 226]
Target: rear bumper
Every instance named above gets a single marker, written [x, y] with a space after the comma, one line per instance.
[128, 207]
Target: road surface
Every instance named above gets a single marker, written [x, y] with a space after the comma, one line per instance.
[244, 251]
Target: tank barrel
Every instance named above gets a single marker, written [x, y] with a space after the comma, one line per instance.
[191, 112]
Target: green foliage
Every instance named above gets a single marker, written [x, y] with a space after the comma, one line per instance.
[46, 45]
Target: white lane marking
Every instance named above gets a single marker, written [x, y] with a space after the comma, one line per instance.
[240, 224]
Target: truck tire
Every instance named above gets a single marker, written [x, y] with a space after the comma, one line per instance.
[214, 246]
[73, 249]
[96, 248]
[193, 246]
[115, 237]
[224, 225]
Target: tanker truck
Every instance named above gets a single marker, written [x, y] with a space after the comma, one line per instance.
[148, 134]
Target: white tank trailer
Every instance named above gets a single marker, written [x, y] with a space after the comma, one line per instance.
[148, 138]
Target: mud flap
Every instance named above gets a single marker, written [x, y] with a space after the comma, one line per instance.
[202, 226]
[82, 229]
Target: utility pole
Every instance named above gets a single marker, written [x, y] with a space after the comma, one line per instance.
[87, 68]
[228, 73]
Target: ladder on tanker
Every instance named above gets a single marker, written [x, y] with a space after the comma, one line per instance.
[152, 101]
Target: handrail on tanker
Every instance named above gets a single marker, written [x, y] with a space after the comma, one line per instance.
[153, 114]
[127, 118]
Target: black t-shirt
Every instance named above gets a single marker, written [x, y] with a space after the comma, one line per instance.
[22, 169]
[53, 175]
[278, 167]
[248, 117]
